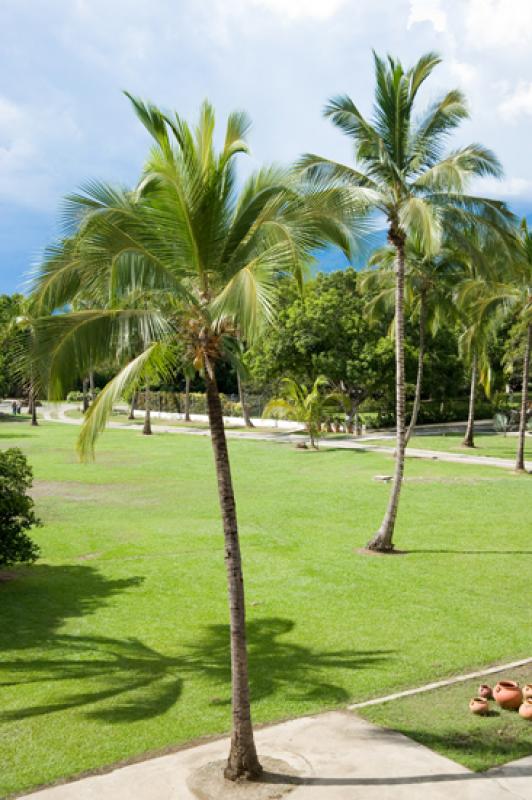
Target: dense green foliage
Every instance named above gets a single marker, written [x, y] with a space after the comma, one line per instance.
[10, 309]
[326, 332]
[16, 509]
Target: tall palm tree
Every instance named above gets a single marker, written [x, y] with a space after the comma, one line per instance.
[402, 172]
[479, 253]
[429, 281]
[510, 291]
[23, 328]
[214, 256]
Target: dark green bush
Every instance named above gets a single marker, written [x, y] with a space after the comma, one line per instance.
[16, 509]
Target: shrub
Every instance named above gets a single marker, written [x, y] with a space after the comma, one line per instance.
[76, 396]
[16, 509]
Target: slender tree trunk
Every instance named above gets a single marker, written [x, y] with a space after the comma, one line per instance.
[242, 761]
[520, 461]
[131, 414]
[242, 397]
[383, 540]
[419, 378]
[33, 406]
[469, 438]
[146, 430]
[91, 387]
[187, 398]
[85, 395]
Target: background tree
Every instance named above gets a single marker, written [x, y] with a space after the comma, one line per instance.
[326, 332]
[510, 290]
[403, 173]
[16, 509]
[309, 405]
[11, 307]
[429, 281]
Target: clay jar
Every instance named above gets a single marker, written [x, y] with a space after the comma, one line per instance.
[485, 691]
[508, 695]
[527, 691]
[525, 710]
[478, 705]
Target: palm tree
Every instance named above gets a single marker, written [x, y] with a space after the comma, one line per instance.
[478, 252]
[306, 404]
[214, 256]
[23, 328]
[402, 172]
[510, 291]
[521, 296]
[428, 297]
[189, 373]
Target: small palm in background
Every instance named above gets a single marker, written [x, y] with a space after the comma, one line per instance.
[310, 405]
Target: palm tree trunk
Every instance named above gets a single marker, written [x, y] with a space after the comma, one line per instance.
[243, 761]
[146, 430]
[33, 405]
[85, 395]
[131, 414]
[469, 438]
[383, 540]
[187, 398]
[356, 422]
[520, 461]
[419, 379]
[242, 397]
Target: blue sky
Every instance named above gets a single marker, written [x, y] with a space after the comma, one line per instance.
[63, 64]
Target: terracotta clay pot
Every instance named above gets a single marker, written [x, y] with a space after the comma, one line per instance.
[508, 695]
[478, 705]
[485, 691]
[527, 691]
[525, 710]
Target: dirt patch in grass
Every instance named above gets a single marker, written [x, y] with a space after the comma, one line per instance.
[7, 576]
[76, 491]
[365, 551]
[69, 490]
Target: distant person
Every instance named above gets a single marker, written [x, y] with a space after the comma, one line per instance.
[14, 407]
[19, 407]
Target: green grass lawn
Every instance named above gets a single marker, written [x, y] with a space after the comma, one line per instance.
[486, 444]
[115, 643]
[442, 721]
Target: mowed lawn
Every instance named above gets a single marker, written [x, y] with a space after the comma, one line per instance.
[115, 643]
[496, 445]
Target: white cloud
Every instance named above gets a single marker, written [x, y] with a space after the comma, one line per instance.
[428, 11]
[300, 9]
[498, 23]
[506, 188]
[517, 104]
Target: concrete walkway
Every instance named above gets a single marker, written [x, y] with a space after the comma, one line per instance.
[58, 414]
[337, 755]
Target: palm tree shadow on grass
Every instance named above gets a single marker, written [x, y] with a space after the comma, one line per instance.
[278, 665]
[125, 680]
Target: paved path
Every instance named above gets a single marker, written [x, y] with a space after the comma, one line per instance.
[337, 755]
[362, 443]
